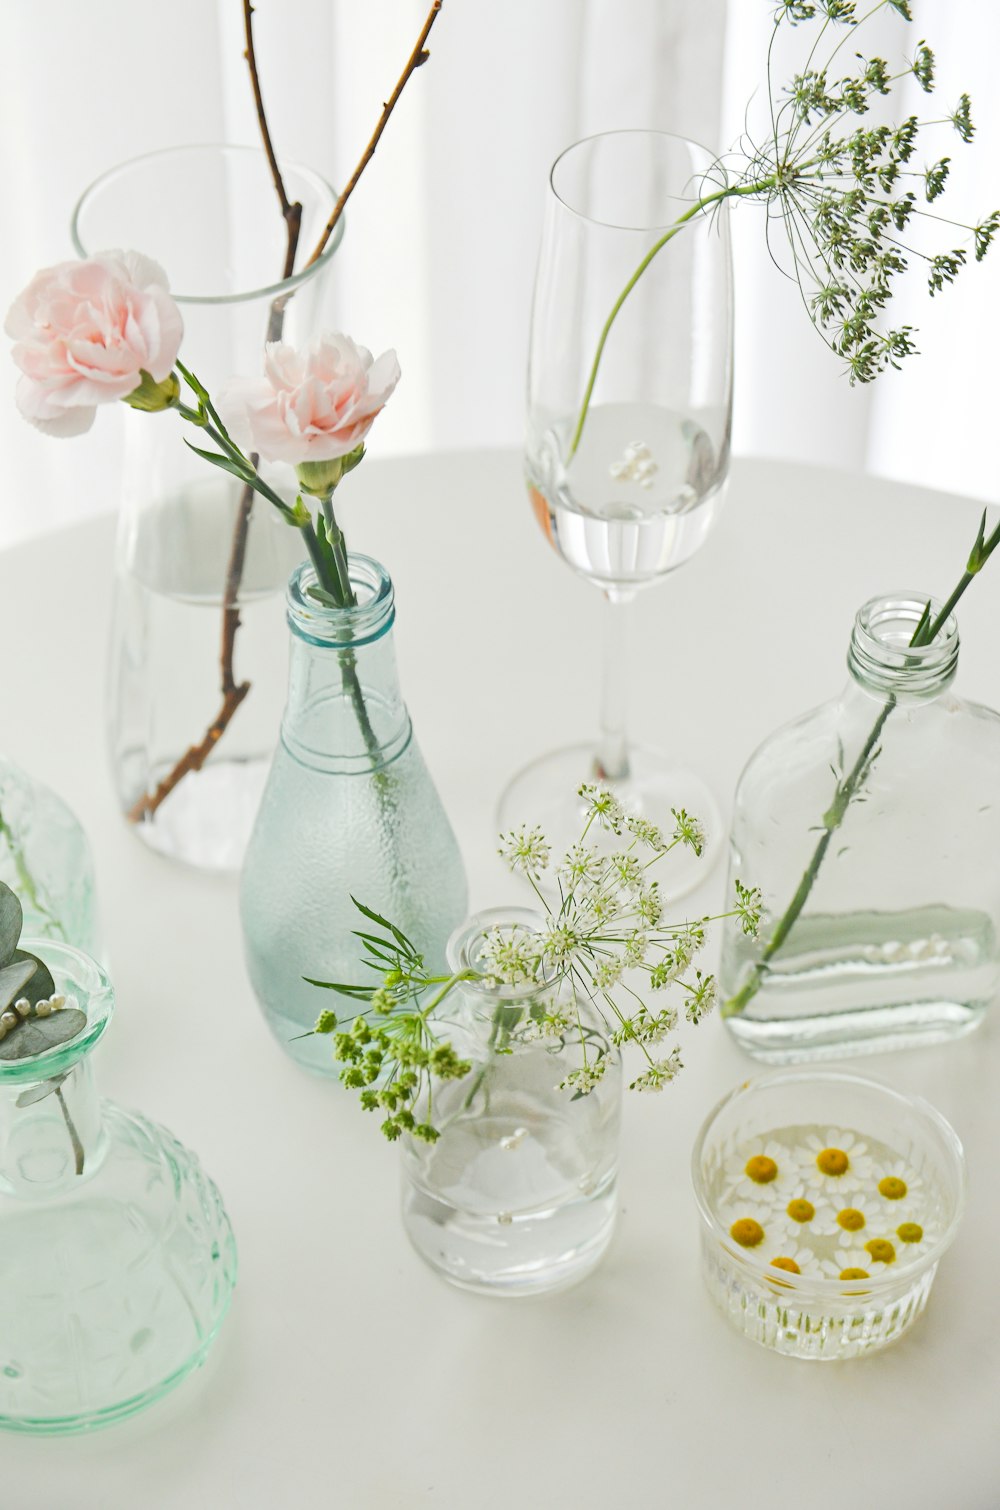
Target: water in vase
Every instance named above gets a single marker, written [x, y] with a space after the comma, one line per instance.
[639, 495]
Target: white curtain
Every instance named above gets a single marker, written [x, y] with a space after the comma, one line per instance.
[438, 257]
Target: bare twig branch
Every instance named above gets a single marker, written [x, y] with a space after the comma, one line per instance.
[417, 57]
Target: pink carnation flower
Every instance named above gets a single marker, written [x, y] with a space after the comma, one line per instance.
[315, 405]
[85, 332]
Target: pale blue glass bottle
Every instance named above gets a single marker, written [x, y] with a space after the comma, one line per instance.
[349, 809]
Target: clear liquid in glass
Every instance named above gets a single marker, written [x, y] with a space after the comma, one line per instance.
[639, 495]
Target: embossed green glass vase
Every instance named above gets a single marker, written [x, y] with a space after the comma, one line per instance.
[117, 1260]
[349, 809]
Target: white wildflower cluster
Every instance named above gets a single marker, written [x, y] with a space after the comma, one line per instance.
[647, 1027]
[606, 938]
[701, 998]
[549, 1021]
[659, 1073]
[688, 830]
[586, 1077]
[510, 956]
[526, 851]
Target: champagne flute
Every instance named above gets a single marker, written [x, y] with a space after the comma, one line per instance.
[628, 435]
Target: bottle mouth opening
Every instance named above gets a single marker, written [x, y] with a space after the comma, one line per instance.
[881, 649]
[467, 949]
[321, 623]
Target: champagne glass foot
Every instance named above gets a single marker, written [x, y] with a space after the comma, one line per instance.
[545, 793]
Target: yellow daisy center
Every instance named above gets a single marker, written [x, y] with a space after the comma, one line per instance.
[832, 1161]
[747, 1232]
[892, 1188]
[801, 1211]
[854, 1274]
[761, 1169]
[851, 1219]
[881, 1250]
[910, 1232]
[788, 1264]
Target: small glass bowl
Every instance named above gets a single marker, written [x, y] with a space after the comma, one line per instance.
[796, 1122]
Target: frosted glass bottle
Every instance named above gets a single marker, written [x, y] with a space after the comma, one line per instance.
[348, 810]
[872, 826]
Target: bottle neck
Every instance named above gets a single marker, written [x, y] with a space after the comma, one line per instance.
[345, 713]
[884, 663]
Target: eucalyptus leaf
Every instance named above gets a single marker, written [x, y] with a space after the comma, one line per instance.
[39, 1092]
[10, 923]
[40, 986]
[36, 1034]
[13, 979]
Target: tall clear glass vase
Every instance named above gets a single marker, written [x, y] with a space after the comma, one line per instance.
[349, 810]
[871, 826]
[194, 692]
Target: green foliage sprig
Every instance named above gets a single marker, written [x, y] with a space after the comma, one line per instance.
[847, 195]
[605, 933]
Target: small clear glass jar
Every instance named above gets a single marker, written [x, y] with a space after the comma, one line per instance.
[117, 1260]
[827, 1201]
[518, 1194]
[872, 828]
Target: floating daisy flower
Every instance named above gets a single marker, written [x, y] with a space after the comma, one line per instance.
[791, 1258]
[853, 1263]
[896, 1181]
[758, 1174]
[805, 1213]
[837, 1162]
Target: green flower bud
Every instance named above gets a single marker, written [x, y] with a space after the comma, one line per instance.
[152, 397]
[319, 478]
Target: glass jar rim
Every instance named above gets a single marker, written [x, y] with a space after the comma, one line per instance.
[461, 948]
[224, 149]
[75, 974]
[876, 1284]
[329, 627]
[877, 656]
[667, 138]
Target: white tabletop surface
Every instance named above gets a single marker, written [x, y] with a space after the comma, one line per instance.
[349, 1375]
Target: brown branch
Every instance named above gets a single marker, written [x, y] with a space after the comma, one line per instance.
[417, 57]
[234, 692]
[195, 757]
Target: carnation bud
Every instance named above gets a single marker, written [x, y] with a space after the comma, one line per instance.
[152, 397]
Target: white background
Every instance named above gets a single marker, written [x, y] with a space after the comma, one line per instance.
[442, 234]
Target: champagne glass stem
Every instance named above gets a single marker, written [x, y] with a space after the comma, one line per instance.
[611, 761]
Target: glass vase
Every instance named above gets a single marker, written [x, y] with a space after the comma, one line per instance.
[349, 809]
[630, 377]
[518, 1194]
[117, 1260]
[870, 826]
[194, 696]
[45, 859]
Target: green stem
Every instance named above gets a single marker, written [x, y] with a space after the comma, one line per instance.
[923, 635]
[678, 225]
[74, 1136]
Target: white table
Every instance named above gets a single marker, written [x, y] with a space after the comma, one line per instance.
[349, 1375]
